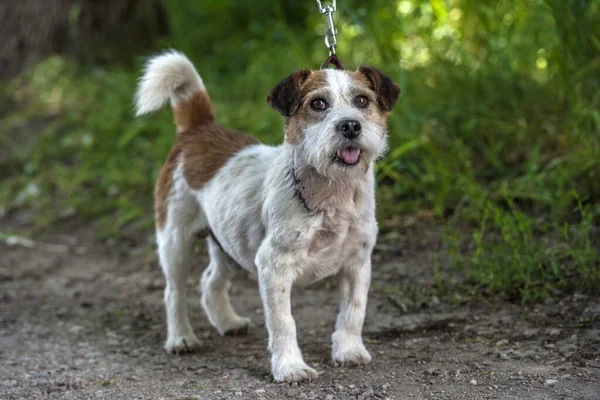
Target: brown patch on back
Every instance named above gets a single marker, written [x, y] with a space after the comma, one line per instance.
[193, 112]
[163, 187]
[204, 149]
[207, 148]
[295, 125]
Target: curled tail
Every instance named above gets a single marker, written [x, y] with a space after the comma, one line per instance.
[171, 75]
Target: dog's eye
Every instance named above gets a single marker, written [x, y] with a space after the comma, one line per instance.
[318, 104]
[361, 102]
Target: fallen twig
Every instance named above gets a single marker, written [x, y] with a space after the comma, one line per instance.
[14, 240]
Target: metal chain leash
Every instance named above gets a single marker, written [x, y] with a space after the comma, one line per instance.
[330, 36]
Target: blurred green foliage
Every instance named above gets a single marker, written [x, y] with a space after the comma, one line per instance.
[497, 130]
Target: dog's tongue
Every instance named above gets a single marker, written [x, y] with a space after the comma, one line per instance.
[349, 155]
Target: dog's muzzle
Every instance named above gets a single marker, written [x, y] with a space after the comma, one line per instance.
[350, 129]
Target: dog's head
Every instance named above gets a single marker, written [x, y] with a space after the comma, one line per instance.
[336, 120]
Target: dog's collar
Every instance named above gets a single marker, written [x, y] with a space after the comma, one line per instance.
[298, 188]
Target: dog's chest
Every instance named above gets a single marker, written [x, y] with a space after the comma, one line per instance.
[330, 245]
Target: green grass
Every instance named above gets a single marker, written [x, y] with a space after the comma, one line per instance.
[497, 130]
[527, 258]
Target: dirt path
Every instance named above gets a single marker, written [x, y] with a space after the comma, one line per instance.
[92, 326]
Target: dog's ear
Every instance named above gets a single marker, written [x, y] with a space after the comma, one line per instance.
[285, 97]
[387, 91]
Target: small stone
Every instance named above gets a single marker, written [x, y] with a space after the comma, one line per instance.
[573, 338]
[352, 386]
[516, 354]
[555, 332]
[503, 356]
[550, 382]
[530, 333]
[260, 391]
[473, 382]
[339, 387]
[329, 397]
[502, 342]
[62, 311]
[520, 373]
[239, 394]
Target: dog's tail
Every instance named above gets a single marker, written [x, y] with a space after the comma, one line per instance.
[171, 75]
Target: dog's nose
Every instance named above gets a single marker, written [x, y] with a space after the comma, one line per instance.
[349, 128]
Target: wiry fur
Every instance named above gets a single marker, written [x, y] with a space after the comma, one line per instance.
[170, 75]
[289, 214]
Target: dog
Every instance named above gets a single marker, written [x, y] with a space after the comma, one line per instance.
[290, 214]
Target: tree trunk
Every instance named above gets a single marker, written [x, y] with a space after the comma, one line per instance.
[90, 30]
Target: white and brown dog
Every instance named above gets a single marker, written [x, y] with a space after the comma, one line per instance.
[294, 213]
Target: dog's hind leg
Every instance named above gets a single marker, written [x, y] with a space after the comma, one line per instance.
[214, 285]
[175, 249]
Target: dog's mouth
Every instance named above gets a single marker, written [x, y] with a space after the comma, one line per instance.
[347, 156]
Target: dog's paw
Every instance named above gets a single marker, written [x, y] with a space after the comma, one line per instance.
[182, 344]
[237, 326]
[294, 372]
[353, 353]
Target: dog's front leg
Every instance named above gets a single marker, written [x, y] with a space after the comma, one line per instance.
[275, 282]
[348, 347]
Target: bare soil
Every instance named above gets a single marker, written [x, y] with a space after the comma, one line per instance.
[87, 326]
